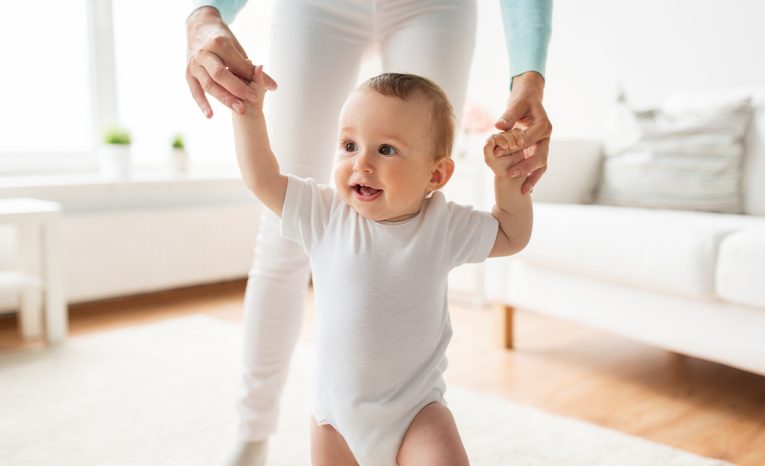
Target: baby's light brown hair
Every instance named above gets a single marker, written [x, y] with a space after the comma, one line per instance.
[405, 86]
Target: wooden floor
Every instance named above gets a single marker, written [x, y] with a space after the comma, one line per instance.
[559, 367]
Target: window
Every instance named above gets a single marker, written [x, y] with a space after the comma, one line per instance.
[65, 84]
[154, 99]
[46, 106]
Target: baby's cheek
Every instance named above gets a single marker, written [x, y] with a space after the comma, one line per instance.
[341, 174]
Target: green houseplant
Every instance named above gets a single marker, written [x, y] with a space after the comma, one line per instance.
[118, 136]
[114, 155]
[179, 158]
[178, 142]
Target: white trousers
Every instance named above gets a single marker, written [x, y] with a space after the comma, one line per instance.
[317, 49]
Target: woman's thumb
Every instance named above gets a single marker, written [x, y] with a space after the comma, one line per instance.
[508, 119]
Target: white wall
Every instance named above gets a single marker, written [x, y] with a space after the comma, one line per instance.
[650, 47]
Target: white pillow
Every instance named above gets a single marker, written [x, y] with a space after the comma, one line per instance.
[686, 157]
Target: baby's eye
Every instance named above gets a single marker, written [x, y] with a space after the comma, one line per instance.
[349, 146]
[385, 149]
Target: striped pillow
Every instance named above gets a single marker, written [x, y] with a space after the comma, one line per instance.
[676, 159]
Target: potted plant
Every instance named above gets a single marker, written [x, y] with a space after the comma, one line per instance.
[114, 158]
[179, 158]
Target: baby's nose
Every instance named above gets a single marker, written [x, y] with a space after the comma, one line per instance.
[363, 164]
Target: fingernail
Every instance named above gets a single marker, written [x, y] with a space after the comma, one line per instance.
[252, 96]
[503, 121]
[237, 106]
[516, 173]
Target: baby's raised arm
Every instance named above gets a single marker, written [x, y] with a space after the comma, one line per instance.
[257, 162]
[512, 208]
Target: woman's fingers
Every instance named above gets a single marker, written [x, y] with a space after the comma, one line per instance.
[199, 95]
[515, 110]
[237, 62]
[225, 86]
[211, 87]
[217, 64]
[532, 180]
[223, 76]
[538, 129]
[531, 163]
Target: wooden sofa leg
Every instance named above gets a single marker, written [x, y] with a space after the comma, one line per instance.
[509, 316]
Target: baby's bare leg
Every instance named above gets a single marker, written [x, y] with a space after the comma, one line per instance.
[328, 447]
[432, 438]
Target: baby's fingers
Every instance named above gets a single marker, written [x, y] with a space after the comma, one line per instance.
[511, 140]
[489, 148]
[515, 138]
[497, 146]
[501, 143]
[258, 76]
[257, 84]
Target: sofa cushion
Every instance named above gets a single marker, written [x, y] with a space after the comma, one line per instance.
[740, 276]
[661, 250]
[677, 158]
[754, 143]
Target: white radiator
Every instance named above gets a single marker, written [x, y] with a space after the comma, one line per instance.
[121, 252]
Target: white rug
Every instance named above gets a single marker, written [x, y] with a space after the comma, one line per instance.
[163, 394]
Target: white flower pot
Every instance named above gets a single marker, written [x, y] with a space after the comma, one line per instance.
[114, 160]
[179, 160]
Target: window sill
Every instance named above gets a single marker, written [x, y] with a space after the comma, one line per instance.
[144, 189]
[91, 180]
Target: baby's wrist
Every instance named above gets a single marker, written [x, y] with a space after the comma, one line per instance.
[252, 111]
[501, 173]
[507, 179]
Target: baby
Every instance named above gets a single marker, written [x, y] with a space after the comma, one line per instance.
[381, 244]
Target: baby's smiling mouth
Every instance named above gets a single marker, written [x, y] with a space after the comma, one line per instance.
[365, 192]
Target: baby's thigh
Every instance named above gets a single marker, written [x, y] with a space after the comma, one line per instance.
[432, 438]
[328, 447]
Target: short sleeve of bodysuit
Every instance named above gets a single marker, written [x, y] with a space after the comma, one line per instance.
[308, 209]
[471, 233]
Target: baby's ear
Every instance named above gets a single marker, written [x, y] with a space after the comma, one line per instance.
[441, 173]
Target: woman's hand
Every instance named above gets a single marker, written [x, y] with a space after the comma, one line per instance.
[526, 113]
[217, 64]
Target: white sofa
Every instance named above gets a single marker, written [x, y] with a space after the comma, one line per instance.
[689, 282]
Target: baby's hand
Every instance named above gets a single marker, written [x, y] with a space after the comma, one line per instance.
[502, 151]
[258, 87]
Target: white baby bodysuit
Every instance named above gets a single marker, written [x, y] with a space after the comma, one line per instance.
[382, 323]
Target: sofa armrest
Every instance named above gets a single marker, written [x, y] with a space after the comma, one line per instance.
[573, 169]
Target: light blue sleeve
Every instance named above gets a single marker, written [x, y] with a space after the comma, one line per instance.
[528, 25]
[227, 8]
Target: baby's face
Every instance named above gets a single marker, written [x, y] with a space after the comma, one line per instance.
[385, 157]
